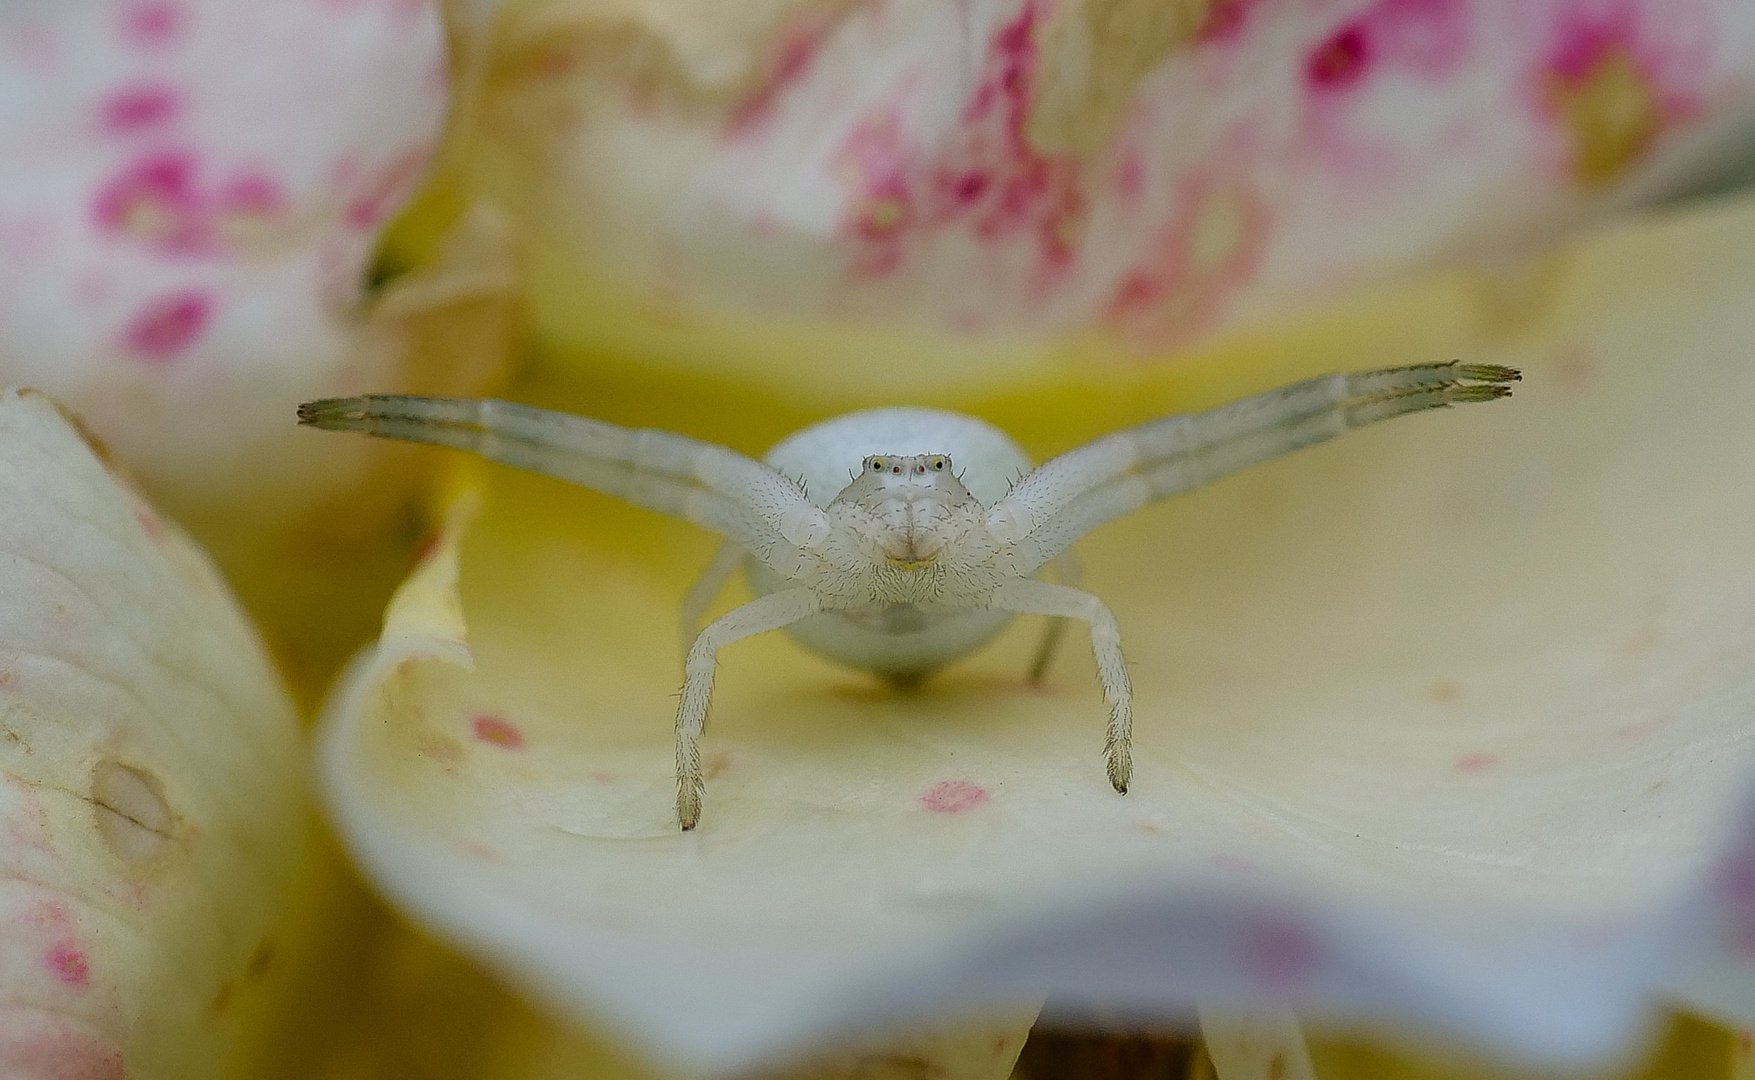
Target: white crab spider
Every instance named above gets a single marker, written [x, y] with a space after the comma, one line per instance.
[915, 561]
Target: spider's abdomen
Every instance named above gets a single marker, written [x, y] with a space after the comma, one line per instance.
[828, 456]
[899, 641]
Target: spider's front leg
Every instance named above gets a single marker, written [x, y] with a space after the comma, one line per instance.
[770, 612]
[1028, 596]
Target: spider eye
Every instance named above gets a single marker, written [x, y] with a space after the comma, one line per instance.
[877, 464]
[939, 464]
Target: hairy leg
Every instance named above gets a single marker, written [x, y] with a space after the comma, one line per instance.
[760, 615]
[1070, 495]
[711, 486]
[1031, 597]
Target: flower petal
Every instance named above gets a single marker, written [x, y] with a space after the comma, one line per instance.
[151, 793]
[1432, 724]
[706, 186]
[193, 196]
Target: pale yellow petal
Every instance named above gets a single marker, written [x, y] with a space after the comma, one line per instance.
[1434, 724]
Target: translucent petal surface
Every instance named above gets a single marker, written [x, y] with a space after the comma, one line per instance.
[1437, 725]
[1143, 169]
[150, 789]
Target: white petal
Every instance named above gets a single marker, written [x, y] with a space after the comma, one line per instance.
[766, 174]
[194, 193]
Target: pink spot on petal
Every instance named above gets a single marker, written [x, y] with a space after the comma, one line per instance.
[968, 187]
[252, 193]
[152, 24]
[1476, 762]
[136, 108]
[68, 965]
[497, 731]
[168, 325]
[985, 179]
[155, 200]
[1211, 247]
[1583, 44]
[1340, 61]
[953, 797]
[164, 177]
[789, 63]
[1280, 954]
[1138, 292]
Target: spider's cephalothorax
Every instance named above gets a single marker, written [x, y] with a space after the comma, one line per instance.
[908, 508]
[903, 552]
[897, 540]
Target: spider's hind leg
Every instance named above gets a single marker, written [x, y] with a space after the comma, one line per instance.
[1068, 572]
[706, 589]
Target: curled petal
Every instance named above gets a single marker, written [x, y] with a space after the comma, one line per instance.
[1434, 726]
[151, 798]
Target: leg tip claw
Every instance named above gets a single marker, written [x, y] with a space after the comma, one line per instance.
[1490, 373]
[688, 808]
[1120, 773]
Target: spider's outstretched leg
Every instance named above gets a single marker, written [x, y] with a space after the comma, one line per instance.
[726, 559]
[1068, 496]
[1031, 597]
[716, 488]
[1067, 572]
[760, 615]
